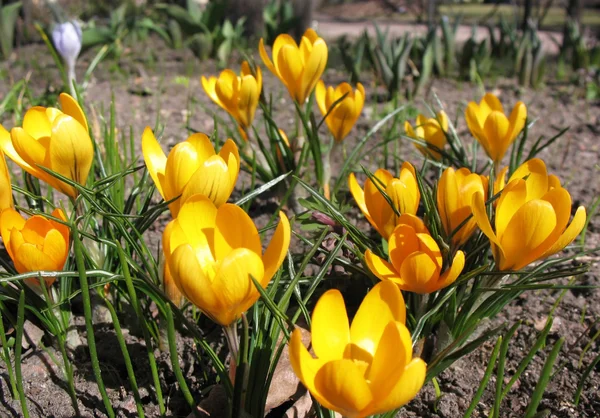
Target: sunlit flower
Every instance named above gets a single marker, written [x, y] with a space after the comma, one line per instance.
[364, 369]
[402, 191]
[416, 263]
[213, 253]
[238, 95]
[54, 139]
[531, 217]
[431, 130]
[490, 126]
[35, 244]
[454, 196]
[299, 67]
[192, 167]
[344, 115]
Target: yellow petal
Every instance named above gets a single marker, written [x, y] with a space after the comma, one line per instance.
[394, 352]
[36, 123]
[517, 120]
[475, 121]
[227, 90]
[265, 57]
[311, 35]
[490, 103]
[574, 229]
[10, 219]
[212, 180]
[418, 271]
[403, 242]
[342, 383]
[513, 197]
[155, 158]
[195, 226]
[406, 388]
[378, 207]
[209, 86]
[416, 223]
[495, 129]
[330, 327]
[203, 147]
[289, 66]
[408, 177]
[229, 153]
[248, 100]
[6, 197]
[320, 92]
[234, 229]
[452, 273]
[278, 247]
[35, 229]
[536, 177]
[15, 242]
[359, 197]
[32, 152]
[55, 247]
[481, 217]
[70, 107]
[71, 152]
[182, 163]
[191, 280]
[447, 198]
[233, 286]
[314, 68]
[305, 366]
[528, 229]
[9, 150]
[380, 267]
[560, 199]
[382, 305]
[31, 258]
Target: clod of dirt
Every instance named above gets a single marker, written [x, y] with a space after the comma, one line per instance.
[301, 407]
[215, 405]
[32, 335]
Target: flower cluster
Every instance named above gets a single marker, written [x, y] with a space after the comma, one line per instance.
[216, 259]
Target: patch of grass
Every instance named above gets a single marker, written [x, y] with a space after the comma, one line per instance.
[474, 13]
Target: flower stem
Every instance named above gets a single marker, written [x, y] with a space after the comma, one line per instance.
[238, 364]
[327, 167]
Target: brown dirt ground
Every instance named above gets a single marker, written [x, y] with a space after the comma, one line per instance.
[145, 84]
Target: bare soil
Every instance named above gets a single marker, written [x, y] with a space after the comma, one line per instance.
[151, 81]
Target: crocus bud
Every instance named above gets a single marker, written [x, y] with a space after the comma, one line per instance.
[67, 38]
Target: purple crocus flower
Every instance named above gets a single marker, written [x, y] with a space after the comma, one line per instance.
[67, 38]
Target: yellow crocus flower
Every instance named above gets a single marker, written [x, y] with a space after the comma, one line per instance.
[35, 244]
[403, 192]
[299, 67]
[361, 369]
[54, 139]
[415, 260]
[454, 196]
[490, 126]
[431, 130]
[238, 95]
[531, 217]
[344, 115]
[192, 167]
[212, 252]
